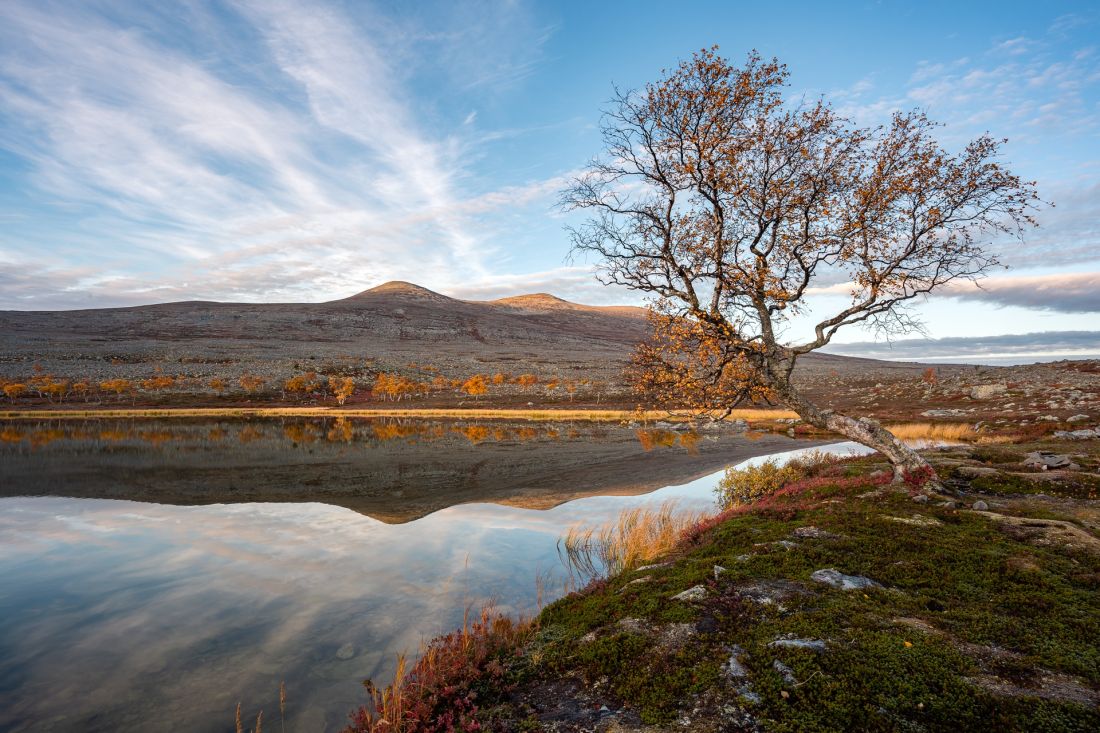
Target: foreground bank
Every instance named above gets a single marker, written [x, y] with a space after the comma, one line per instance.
[837, 603]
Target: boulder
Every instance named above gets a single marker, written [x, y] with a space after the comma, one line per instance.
[1078, 418]
[985, 391]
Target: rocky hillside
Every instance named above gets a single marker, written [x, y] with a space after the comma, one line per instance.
[397, 327]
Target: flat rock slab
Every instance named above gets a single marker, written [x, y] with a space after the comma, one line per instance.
[1045, 461]
[837, 579]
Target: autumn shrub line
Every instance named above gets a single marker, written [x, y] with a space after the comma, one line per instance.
[308, 386]
[441, 692]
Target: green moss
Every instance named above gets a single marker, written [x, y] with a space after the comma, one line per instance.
[997, 604]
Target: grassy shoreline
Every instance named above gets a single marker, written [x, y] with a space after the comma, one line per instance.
[459, 413]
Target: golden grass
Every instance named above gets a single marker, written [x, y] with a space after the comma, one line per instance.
[470, 414]
[932, 431]
[637, 536]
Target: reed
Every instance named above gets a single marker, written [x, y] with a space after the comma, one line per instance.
[635, 537]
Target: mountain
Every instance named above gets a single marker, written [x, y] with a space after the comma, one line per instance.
[392, 324]
[384, 328]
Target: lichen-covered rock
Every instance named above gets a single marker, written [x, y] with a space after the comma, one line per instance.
[837, 579]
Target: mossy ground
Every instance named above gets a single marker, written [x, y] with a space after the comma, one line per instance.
[978, 626]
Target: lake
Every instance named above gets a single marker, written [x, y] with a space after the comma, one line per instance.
[155, 573]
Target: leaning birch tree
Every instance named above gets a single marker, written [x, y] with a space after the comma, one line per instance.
[727, 206]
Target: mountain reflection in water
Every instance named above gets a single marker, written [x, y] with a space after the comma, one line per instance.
[119, 614]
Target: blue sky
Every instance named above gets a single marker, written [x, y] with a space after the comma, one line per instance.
[304, 151]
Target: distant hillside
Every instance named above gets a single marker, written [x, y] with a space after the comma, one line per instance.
[392, 324]
[397, 326]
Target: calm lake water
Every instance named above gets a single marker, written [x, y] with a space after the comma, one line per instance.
[156, 574]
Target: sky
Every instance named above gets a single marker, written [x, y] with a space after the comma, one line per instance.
[267, 151]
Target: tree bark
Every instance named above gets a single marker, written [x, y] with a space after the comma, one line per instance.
[868, 432]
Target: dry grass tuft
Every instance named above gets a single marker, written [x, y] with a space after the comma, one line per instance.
[933, 431]
[637, 536]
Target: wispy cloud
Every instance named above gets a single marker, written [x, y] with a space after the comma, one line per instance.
[1019, 348]
[279, 154]
[1068, 293]
[1077, 292]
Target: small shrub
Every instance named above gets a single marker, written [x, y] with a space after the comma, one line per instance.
[744, 485]
[443, 691]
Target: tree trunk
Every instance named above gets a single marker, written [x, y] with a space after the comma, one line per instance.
[868, 432]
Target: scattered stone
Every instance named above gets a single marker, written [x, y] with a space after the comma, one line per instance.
[718, 570]
[944, 413]
[980, 506]
[588, 638]
[1048, 418]
[1045, 460]
[788, 674]
[916, 520]
[789, 420]
[1078, 418]
[744, 558]
[975, 471]
[346, 652]
[696, 593]
[985, 391]
[1077, 434]
[814, 645]
[813, 533]
[837, 579]
[920, 498]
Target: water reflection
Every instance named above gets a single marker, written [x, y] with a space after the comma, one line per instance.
[121, 615]
[393, 470]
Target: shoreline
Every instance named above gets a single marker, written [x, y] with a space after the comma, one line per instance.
[548, 414]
